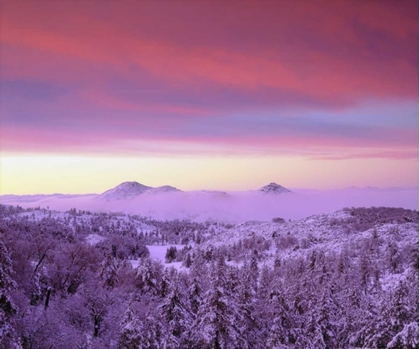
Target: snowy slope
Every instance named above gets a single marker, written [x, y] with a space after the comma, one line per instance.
[328, 232]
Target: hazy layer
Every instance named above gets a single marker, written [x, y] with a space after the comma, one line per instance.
[232, 207]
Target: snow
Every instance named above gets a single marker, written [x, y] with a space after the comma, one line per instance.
[320, 233]
[158, 253]
[357, 232]
[93, 239]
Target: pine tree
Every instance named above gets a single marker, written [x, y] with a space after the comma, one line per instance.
[219, 322]
[177, 315]
[131, 332]
[195, 294]
[109, 272]
[153, 337]
[281, 330]
[254, 272]
[8, 309]
[393, 256]
[246, 297]
[364, 271]
[402, 314]
[148, 276]
[36, 293]
[165, 284]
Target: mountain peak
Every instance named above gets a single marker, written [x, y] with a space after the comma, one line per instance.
[124, 190]
[274, 188]
[131, 184]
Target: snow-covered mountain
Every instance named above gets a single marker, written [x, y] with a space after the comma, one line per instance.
[125, 190]
[274, 188]
[130, 190]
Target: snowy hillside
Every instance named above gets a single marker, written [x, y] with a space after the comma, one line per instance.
[328, 232]
[347, 279]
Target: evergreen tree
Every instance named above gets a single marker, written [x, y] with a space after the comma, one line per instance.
[109, 272]
[195, 294]
[177, 315]
[281, 332]
[7, 307]
[153, 336]
[246, 298]
[254, 272]
[131, 332]
[148, 277]
[219, 322]
[393, 256]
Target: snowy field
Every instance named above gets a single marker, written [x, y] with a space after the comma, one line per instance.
[158, 252]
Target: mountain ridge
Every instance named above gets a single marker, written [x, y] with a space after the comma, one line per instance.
[132, 189]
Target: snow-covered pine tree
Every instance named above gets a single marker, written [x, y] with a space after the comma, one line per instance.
[195, 294]
[254, 272]
[219, 321]
[109, 272]
[8, 338]
[131, 333]
[281, 332]
[177, 314]
[153, 336]
[148, 277]
[403, 317]
[245, 294]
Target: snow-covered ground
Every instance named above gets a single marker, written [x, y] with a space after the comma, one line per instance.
[361, 258]
[158, 252]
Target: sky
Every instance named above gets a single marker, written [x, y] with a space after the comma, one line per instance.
[226, 95]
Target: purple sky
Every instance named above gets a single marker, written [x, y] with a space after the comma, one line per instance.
[315, 81]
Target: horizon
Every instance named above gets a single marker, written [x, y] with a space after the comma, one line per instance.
[227, 190]
[221, 96]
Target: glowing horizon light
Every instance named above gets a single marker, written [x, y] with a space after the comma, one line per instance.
[41, 174]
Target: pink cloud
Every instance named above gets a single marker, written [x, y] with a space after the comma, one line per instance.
[190, 65]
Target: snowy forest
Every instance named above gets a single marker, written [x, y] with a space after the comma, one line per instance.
[82, 280]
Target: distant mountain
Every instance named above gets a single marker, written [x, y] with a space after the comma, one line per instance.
[274, 188]
[163, 189]
[129, 190]
[215, 193]
[125, 190]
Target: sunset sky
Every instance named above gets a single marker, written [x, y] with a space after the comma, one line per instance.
[208, 94]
